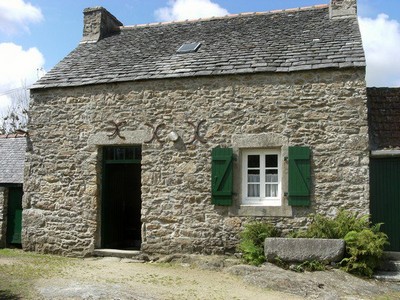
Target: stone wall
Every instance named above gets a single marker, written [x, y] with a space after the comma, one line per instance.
[384, 118]
[3, 216]
[325, 110]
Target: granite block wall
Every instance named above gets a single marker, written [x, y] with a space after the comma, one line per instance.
[325, 110]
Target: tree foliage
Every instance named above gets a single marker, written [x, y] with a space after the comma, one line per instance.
[16, 117]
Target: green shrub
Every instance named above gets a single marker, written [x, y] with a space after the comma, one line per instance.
[336, 228]
[364, 242]
[252, 241]
[365, 249]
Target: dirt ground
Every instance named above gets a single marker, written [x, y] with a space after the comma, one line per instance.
[33, 276]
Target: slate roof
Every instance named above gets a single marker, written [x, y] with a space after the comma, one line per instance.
[384, 118]
[12, 158]
[277, 41]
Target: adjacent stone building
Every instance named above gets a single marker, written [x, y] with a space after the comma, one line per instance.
[384, 135]
[169, 137]
[12, 158]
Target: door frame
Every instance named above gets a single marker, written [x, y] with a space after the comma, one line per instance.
[104, 163]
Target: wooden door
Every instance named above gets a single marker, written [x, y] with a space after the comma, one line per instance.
[385, 197]
[121, 205]
[14, 216]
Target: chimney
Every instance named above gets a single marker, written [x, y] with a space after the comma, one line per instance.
[343, 9]
[97, 24]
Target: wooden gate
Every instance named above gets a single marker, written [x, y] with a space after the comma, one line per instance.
[14, 216]
[385, 197]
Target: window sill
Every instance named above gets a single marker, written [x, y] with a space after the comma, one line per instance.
[265, 211]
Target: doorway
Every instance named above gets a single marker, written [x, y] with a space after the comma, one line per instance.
[14, 216]
[385, 197]
[121, 201]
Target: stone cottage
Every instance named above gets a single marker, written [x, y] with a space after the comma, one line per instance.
[169, 137]
[12, 158]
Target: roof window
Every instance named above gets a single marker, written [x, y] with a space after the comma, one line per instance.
[189, 47]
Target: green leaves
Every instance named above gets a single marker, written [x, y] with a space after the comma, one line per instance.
[364, 242]
[252, 241]
[365, 249]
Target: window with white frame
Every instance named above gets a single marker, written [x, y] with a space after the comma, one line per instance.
[261, 179]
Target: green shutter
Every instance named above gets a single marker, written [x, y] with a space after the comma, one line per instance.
[222, 176]
[299, 176]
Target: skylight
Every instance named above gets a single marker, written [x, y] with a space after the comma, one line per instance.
[189, 47]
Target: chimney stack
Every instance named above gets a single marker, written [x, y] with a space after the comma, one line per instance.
[343, 9]
[98, 23]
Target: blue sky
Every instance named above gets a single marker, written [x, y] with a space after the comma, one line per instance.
[36, 34]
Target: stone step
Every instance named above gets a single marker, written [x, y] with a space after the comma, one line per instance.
[387, 276]
[133, 254]
[390, 266]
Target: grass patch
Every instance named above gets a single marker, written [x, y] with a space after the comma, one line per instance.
[19, 270]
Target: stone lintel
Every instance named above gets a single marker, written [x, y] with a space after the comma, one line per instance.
[131, 138]
[383, 153]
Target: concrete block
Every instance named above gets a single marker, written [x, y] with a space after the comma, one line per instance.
[300, 249]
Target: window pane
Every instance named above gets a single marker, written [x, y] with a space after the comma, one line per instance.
[129, 152]
[109, 155]
[271, 190]
[253, 178]
[253, 161]
[271, 161]
[271, 175]
[119, 153]
[253, 190]
[138, 153]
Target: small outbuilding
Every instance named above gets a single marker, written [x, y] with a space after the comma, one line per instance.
[12, 159]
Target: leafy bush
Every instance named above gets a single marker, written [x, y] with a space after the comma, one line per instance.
[365, 249]
[364, 242]
[336, 228]
[252, 241]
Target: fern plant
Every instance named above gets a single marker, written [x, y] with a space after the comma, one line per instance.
[252, 241]
[365, 249]
[364, 242]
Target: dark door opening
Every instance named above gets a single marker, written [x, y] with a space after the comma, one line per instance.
[14, 216]
[121, 204]
[385, 197]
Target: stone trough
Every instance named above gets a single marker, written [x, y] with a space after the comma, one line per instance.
[301, 249]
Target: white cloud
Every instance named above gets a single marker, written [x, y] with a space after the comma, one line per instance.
[189, 9]
[381, 40]
[16, 15]
[19, 68]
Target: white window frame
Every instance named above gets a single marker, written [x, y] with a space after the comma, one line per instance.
[262, 200]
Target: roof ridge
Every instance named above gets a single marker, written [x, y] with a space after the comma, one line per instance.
[13, 135]
[288, 10]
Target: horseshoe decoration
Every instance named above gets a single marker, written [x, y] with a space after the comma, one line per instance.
[155, 133]
[117, 129]
[196, 135]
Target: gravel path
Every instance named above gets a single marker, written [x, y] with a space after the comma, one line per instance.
[31, 276]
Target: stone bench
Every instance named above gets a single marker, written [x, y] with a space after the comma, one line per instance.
[300, 249]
